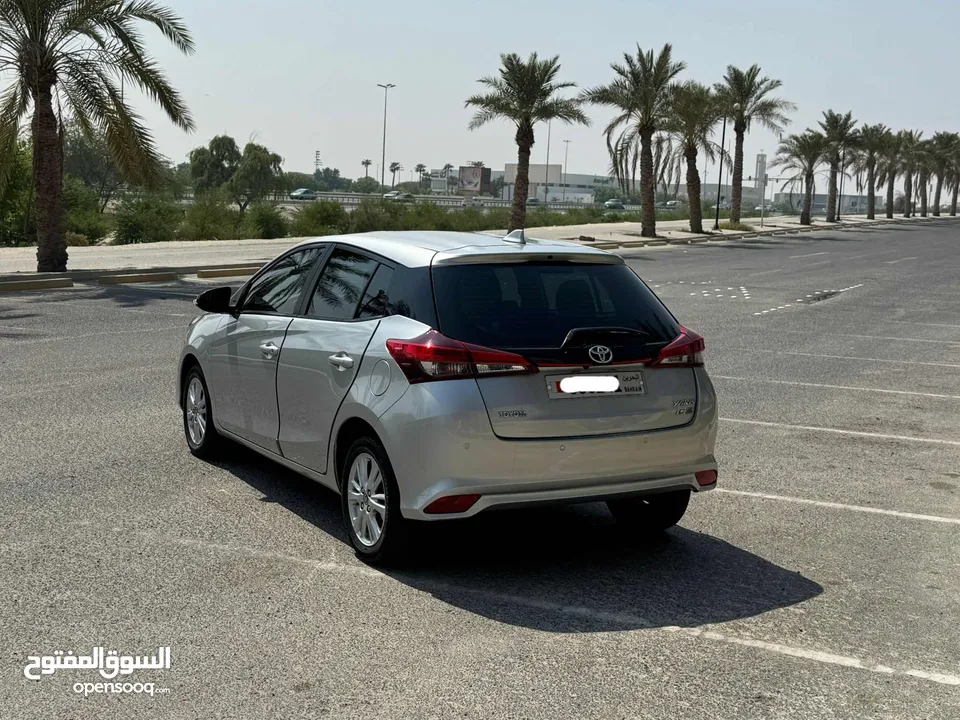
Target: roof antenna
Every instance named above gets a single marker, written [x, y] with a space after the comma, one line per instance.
[516, 237]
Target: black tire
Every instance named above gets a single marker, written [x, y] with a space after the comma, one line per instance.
[210, 443]
[650, 514]
[393, 542]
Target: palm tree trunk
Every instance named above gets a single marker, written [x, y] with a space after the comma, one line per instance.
[890, 181]
[693, 191]
[648, 227]
[807, 199]
[922, 189]
[907, 194]
[936, 195]
[953, 201]
[48, 185]
[736, 192]
[832, 191]
[518, 216]
[871, 190]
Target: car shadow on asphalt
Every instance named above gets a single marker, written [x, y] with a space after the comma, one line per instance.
[558, 568]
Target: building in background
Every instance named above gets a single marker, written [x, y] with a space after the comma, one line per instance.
[572, 188]
[849, 204]
[761, 170]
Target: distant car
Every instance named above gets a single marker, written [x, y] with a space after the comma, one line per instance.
[303, 194]
[392, 195]
[765, 208]
[397, 196]
[613, 204]
[471, 202]
[533, 201]
[660, 206]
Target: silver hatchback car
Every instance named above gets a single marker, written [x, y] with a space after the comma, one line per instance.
[429, 375]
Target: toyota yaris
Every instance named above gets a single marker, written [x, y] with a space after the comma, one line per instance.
[426, 376]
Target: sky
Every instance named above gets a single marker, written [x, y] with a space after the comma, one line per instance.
[301, 75]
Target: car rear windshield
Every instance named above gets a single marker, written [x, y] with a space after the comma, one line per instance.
[536, 305]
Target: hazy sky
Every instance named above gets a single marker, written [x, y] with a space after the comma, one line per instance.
[300, 76]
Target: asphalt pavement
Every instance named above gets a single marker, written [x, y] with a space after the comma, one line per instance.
[822, 580]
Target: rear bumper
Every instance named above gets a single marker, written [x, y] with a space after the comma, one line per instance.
[440, 443]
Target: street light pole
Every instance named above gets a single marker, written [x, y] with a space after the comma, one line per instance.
[566, 149]
[723, 141]
[546, 184]
[383, 161]
[843, 162]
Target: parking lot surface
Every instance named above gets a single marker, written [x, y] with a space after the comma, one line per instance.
[821, 581]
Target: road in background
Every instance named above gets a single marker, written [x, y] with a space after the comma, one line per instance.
[821, 581]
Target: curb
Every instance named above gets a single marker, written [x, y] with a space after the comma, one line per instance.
[88, 275]
[35, 284]
[137, 278]
[226, 272]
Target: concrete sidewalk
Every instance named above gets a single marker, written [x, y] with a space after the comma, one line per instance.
[188, 257]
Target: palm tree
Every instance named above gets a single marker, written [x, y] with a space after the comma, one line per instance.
[870, 147]
[888, 166]
[420, 169]
[366, 167]
[395, 167]
[69, 57]
[694, 112]
[802, 154]
[909, 158]
[640, 93]
[841, 139]
[525, 93]
[953, 177]
[476, 163]
[744, 96]
[925, 167]
[945, 146]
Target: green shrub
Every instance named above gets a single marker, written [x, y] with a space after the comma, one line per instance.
[210, 217]
[378, 215]
[736, 226]
[322, 217]
[76, 239]
[93, 225]
[146, 219]
[264, 221]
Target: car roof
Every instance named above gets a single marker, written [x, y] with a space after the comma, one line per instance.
[418, 248]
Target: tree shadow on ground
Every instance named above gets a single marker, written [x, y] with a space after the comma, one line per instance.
[560, 569]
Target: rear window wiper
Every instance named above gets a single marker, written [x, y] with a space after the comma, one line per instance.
[584, 335]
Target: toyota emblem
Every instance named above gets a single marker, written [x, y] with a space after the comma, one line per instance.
[600, 354]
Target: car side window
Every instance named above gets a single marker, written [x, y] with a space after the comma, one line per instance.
[341, 285]
[279, 288]
[376, 300]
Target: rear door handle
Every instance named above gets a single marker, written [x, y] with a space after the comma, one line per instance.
[268, 350]
[341, 361]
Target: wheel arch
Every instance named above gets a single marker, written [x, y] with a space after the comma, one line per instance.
[188, 361]
[347, 432]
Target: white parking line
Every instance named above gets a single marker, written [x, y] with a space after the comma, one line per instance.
[838, 431]
[877, 337]
[625, 619]
[894, 262]
[834, 387]
[841, 506]
[765, 272]
[850, 357]
[794, 257]
[908, 322]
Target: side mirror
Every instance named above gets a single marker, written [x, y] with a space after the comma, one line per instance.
[216, 300]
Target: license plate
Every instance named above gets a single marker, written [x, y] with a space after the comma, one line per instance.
[627, 383]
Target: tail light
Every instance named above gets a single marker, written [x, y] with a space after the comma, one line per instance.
[433, 356]
[685, 351]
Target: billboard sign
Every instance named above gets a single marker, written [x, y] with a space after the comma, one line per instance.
[470, 179]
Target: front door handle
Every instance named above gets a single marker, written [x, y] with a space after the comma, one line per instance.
[268, 350]
[341, 361]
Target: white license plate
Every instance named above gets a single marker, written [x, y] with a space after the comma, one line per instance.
[627, 383]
